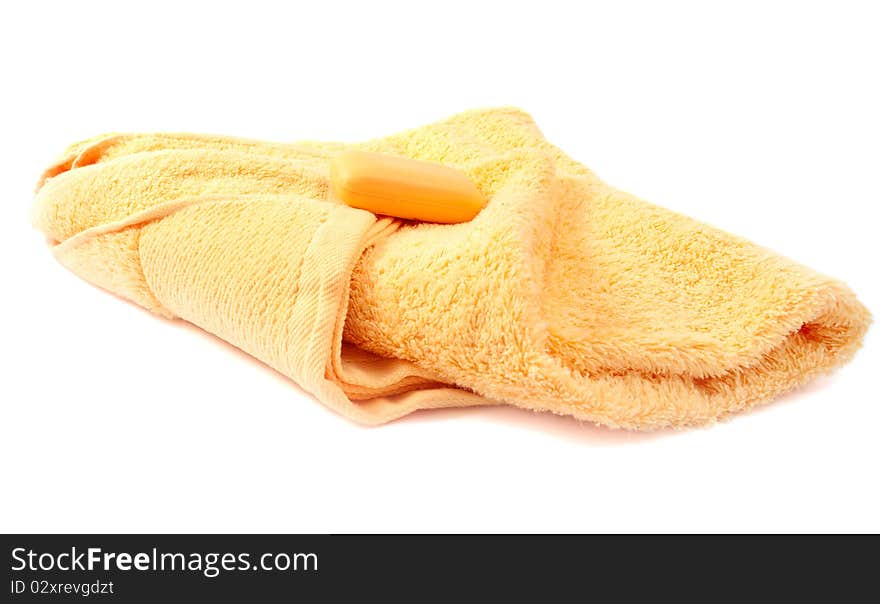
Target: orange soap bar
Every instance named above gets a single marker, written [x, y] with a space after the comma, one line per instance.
[403, 187]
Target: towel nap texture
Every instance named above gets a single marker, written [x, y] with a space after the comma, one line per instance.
[562, 295]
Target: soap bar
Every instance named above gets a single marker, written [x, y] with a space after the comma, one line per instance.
[405, 188]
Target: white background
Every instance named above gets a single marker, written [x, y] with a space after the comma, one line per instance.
[761, 118]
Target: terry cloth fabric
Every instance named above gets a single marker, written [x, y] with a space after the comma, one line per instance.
[563, 294]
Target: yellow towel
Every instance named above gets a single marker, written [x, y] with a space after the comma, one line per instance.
[563, 295]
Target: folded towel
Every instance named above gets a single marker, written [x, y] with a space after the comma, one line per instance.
[562, 295]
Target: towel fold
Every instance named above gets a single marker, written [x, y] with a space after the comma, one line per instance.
[562, 295]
